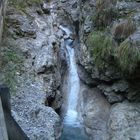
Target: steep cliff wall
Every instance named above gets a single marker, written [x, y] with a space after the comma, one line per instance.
[108, 58]
[107, 49]
[114, 28]
[3, 4]
[31, 66]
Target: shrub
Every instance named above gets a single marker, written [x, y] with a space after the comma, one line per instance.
[12, 56]
[124, 58]
[11, 64]
[128, 56]
[123, 29]
[105, 13]
[22, 4]
[101, 48]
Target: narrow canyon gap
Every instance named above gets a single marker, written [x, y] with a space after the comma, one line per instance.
[73, 129]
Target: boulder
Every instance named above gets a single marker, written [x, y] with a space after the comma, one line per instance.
[95, 112]
[124, 121]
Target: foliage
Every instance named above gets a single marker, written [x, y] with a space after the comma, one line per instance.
[128, 56]
[12, 56]
[12, 62]
[101, 48]
[22, 4]
[123, 29]
[104, 14]
[10, 79]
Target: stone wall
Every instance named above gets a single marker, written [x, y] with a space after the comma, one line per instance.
[3, 4]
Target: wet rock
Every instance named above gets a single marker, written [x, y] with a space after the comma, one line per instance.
[56, 101]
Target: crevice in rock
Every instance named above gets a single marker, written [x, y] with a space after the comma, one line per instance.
[76, 25]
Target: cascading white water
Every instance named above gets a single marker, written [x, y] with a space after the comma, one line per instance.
[72, 129]
[74, 86]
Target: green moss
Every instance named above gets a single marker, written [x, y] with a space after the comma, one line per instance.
[101, 47]
[128, 56]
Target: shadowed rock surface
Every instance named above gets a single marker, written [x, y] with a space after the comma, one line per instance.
[13, 129]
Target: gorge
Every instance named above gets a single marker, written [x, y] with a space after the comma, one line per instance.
[71, 122]
[73, 67]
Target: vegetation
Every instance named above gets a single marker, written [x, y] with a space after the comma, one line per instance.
[123, 29]
[101, 48]
[117, 50]
[128, 56]
[104, 14]
[22, 4]
[11, 64]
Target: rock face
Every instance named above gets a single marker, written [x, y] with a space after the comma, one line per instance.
[32, 60]
[118, 79]
[124, 121]
[3, 5]
[95, 112]
[109, 101]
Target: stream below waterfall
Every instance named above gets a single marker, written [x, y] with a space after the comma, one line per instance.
[72, 128]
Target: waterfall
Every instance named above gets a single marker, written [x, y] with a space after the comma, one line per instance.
[72, 129]
[74, 86]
